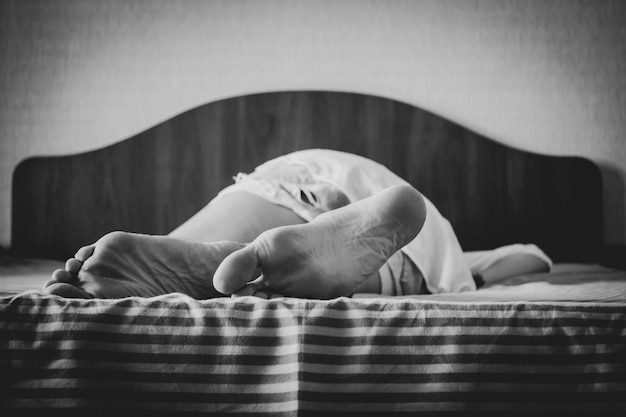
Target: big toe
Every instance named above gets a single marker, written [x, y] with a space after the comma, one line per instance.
[236, 270]
[65, 290]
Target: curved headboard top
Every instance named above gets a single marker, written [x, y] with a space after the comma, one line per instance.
[152, 182]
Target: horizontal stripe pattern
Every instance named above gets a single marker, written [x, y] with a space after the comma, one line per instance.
[299, 357]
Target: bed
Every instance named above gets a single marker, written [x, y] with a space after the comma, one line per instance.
[550, 342]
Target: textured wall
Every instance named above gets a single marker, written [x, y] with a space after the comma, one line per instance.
[545, 76]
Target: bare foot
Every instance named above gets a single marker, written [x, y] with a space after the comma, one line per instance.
[126, 264]
[329, 257]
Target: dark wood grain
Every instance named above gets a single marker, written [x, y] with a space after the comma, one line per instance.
[150, 183]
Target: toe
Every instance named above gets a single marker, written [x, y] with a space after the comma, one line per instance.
[65, 290]
[236, 270]
[73, 266]
[61, 275]
[48, 283]
[84, 253]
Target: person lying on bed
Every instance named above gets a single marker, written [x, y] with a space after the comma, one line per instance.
[311, 224]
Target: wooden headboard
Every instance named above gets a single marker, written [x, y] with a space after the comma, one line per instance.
[152, 182]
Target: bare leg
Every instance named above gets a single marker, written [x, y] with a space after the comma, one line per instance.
[332, 255]
[125, 264]
[238, 217]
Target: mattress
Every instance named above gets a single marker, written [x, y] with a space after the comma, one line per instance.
[545, 342]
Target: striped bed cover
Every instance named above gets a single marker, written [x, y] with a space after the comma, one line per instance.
[174, 355]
